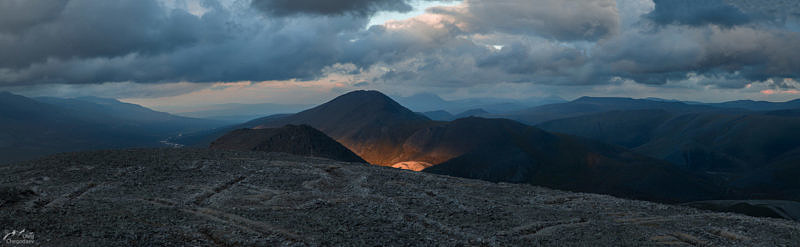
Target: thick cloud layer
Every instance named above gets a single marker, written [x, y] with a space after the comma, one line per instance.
[563, 20]
[697, 12]
[729, 44]
[316, 7]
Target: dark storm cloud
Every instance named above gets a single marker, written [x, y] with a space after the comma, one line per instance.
[96, 41]
[329, 7]
[697, 12]
[673, 52]
[18, 15]
[543, 41]
[87, 29]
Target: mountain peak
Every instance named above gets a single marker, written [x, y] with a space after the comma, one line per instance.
[366, 96]
[365, 101]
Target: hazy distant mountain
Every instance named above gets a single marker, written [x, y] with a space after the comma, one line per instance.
[440, 115]
[471, 113]
[300, 140]
[112, 111]
[426, 102]
[590, 105]
[758, 105]
[239, 113]
[30, 128]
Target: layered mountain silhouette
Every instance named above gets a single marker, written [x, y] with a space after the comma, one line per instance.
[385, 133]
[32, 128]
[369, 123]
[749, 150]
[758, 105]
[446, 116]
[425, 102]
[506, 151]
[591, 105]
[440, 115]
[300, 140]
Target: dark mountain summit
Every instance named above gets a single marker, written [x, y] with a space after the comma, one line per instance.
[367, 122]
[300, 140]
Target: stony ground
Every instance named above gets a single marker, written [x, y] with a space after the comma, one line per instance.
[194, 197]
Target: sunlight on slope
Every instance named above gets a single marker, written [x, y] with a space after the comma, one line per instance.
[412, 165]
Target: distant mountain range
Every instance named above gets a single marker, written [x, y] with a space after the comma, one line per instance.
[31, 128]
[641, 148]
[239, 113]
[758, 105]
[591, 105]
[426, 102]
[383, 132]
[442, 115]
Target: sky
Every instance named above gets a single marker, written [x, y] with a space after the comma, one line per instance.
[173, 54]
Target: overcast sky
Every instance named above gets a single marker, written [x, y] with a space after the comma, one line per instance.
[174, 53]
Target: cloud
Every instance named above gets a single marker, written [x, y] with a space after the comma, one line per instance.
[562, 20]
[672, 53]
[87, 29]
[93, 41]
[696, 13]
[18, 15]
[474, 43]
[340, 7]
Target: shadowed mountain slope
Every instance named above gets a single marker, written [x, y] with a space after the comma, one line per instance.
[506, 151]
[751, 151]
[112, 111]
[300, 140]
[179, 197]
[708, 141]
[30, 128]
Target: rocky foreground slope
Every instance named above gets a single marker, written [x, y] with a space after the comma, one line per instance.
[216, 197]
